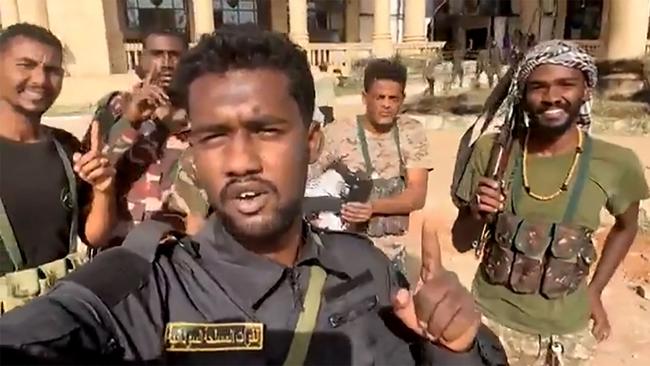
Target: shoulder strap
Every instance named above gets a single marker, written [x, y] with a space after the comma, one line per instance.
[402, 168]
[307, 318]
[361, 135]
[145, 238]
[581, 178]
[516, 178]
[72, 191]
[8, 239]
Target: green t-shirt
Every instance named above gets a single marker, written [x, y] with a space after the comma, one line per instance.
[615, 180]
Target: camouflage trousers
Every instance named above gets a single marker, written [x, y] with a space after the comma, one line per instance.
[522, 349]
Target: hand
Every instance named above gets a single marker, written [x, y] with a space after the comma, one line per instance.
[94, 167]
[356, 212]
[489, 198]
[442, 310]
[601, 329]
[146, 99]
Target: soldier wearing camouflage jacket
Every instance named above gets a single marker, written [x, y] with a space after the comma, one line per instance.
[145, 137]
[392, 150]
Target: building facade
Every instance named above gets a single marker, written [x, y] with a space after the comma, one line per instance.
[103, 37]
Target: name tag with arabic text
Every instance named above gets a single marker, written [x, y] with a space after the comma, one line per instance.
[214, 337]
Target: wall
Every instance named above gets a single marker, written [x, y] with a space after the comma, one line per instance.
[83, 28]
[86, 90]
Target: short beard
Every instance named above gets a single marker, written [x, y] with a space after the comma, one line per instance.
[551, 132]
[263, 232]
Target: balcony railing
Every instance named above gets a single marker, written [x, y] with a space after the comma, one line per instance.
[342, 55]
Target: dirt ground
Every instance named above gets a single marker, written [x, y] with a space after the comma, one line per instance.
[629, 313]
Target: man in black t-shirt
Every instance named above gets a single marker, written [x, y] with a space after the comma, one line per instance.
[51, 188]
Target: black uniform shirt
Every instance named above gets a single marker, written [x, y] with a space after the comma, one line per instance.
[118, 306]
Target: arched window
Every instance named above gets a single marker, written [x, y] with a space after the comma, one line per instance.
[142, 15]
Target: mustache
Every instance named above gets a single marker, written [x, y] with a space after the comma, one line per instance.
[223, 194]
[24, 85]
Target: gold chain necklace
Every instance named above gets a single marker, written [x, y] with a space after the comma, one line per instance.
[565, 185]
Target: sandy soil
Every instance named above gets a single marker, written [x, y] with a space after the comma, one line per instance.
[629, 313]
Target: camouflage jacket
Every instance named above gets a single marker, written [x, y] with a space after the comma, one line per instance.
[146, 160]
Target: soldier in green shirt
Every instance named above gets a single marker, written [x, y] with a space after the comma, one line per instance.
[532, 283]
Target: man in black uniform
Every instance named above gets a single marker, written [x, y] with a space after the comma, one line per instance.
[257, 285]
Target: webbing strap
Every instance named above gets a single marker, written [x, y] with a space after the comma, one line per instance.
[307, 319]
[7, 236]
[361, 135]
[581, 178]
[8, 240]
[72, 191]
[576, 191]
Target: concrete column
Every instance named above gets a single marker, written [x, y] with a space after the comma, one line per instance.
[382, 42]
[560, 19]
[279, 14]
[203, 18]
[625, 43]
[8, 12]
[414, 21]
[34, 11]
[298, 22]
[627, 29]
[529, 17]
[352, 11]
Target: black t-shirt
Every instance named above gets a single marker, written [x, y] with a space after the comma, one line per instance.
[33, 187]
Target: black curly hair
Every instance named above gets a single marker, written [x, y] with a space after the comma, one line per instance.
[247, 47]
[30, 31]
[164, 32]
[384, 69]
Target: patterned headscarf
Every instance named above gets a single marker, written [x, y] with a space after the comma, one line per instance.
[556, 52]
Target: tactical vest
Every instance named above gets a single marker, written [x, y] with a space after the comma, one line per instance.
[381, 187]
[18, 287]
[549, 258]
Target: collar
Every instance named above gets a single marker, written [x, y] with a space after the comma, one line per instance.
[255, 276]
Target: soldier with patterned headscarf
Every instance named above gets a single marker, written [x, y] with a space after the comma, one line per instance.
[532, 282]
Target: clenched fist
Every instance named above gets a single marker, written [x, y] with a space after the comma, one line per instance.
[441, 310]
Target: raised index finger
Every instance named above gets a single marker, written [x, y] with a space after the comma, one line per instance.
[150, 75]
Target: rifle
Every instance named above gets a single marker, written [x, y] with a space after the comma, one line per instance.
[501, 147]
[358, 189]
[496, 168]
[359, 185]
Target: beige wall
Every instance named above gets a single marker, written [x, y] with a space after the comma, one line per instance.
[627, 29]
[91, 36]
[83, 91]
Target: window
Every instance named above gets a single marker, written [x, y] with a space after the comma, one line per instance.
[326, 20]
[142, 15]
[234, 12]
